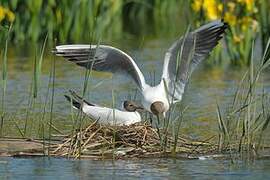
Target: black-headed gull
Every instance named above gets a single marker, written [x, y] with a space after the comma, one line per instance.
[105, 115]
[180, 60]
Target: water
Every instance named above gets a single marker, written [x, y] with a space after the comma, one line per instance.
[207, 85]
[52, 168]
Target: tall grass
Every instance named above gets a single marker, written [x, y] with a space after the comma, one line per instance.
[72, 20]
[4, 80]
[171, 125]
[240, 52]
[34, 88]
[247, 118]
[52, 100]
[113, 19]
[78, 120]
[264, 21]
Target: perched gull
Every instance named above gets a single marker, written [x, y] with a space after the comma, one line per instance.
[180, 60]
[106, 115]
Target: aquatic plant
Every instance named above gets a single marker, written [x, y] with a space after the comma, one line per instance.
[34, 88]
[243, 18]
[4, 79]
[264, 21]
[62, 20]
[6, 14]
[246, 119]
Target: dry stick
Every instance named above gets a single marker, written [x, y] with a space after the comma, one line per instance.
[89, 127]
[61, 145]
[91, 146]
[92, 135]
[144, 136]
[202, 143]
[55, 128]
[74, 136]
[131, 138]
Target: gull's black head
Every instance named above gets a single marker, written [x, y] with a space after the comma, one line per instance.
[131, 106]
[157, 108]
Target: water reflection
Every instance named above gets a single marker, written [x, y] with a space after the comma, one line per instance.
[50, 168]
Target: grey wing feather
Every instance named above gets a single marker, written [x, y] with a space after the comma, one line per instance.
[186, 53]
[101, 58]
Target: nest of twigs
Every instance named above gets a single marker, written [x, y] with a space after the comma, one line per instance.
[137, 140]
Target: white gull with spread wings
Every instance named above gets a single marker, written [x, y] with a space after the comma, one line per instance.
[180, 60]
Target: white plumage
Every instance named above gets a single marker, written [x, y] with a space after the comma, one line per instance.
[180, 60]
[105, 115]
[111, 116]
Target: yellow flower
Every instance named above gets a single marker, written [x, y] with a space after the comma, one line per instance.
[231, 6]
[5, 12]
[250, 5]
[2, 13]
[197, 5]
[220, 7]
[246, 22]
[10, 15]
[211, 8]
[237, 39]
[241, 1]
[230, 18]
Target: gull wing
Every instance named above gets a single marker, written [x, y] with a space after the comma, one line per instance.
[102, 58]
[186, 53]
[103, 115]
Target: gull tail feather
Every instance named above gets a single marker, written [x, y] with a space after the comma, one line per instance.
[77, 101]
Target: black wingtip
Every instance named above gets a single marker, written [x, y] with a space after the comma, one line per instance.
[68, 98]
[79, 98]
[225, 24]
[72, 92]
[54, 51]
[75, 103]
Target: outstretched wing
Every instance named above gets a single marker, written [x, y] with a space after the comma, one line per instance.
[186, 53]
[102, 58]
